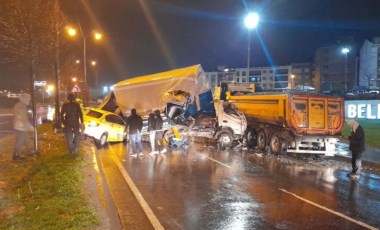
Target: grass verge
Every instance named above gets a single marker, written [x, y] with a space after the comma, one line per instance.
[45, 192]
[371, 131]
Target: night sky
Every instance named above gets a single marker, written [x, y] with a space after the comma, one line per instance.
[148, 36]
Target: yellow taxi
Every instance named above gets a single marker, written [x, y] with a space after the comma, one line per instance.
[103, 126]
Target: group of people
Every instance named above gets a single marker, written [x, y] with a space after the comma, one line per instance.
[135, 124]
[72, 121]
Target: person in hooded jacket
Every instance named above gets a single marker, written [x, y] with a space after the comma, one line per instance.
[357, 147]
[21, 124]
[134, 125]
[72, 120]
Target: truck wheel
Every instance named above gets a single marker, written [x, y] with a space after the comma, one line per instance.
[261, 140]
[225, 140]
[276, 144]
[102, 141]
[251, 138]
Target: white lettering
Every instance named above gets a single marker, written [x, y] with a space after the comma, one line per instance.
[369, 112]
[361, 110]
[351, 111]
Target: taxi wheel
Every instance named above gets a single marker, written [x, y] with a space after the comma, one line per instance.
[102, 141]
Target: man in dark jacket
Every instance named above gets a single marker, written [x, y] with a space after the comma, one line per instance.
[152, 133]
[134, 125]
[159, 133]
[357, 147]
[72, 120]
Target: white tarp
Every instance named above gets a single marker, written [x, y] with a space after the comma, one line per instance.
[151, 92]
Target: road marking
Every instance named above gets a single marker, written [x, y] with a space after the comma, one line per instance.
[148, 211]
[212, 159]
[2, 123]
[331, 211]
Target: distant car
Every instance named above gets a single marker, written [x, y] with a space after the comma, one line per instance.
[374, 92]
[103, 126]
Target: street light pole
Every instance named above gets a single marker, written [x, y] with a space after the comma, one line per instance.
[249, 52]
[345, 51]
[97, 36]
[84, 65]
[251, 21]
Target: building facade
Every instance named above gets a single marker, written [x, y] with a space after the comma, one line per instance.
[302, 75]
[335, 70]
[276, 78]
[369, 71]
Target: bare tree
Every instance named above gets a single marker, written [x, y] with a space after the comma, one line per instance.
[28, 34]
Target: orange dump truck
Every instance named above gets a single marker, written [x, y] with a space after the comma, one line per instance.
[291, 122]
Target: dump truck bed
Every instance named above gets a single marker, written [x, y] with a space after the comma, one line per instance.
[303, 113]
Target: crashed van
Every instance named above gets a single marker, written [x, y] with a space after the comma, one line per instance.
[185, 99]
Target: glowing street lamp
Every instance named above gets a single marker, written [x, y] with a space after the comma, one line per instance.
[96, 36]
[345, 51]
[251, 21]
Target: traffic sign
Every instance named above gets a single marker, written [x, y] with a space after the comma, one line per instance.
[75, 89]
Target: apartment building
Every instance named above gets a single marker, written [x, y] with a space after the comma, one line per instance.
[369, 71]
[277, 78]
[334, 69]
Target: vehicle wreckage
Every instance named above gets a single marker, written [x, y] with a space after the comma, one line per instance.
[291, 121]
[185, 99]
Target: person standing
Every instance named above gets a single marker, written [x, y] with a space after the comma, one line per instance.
[72, 121]
[21, 124]
[134, 125]
[159, 133]
[357, 147]
[152, 133]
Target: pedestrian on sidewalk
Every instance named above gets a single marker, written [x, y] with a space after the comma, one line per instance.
[357, 147]
[152, 133]
[72, 121]
[159, 133]
[21, 124]
[134, 125]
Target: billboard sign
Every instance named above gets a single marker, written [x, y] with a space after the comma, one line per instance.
[366, 109]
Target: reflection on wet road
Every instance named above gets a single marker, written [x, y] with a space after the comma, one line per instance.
[201, 188]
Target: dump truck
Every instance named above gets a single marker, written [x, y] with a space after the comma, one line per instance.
[294, 122]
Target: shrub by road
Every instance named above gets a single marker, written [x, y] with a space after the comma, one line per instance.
[46, 192]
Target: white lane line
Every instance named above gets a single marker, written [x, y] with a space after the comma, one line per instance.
[331, 211]
[148, 211]
[212, 159]
[2, 123]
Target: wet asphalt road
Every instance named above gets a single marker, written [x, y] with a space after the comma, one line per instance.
[202, 188]
[5, 124]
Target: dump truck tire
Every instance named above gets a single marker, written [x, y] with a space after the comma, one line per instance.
[261, 140]
[277, 144]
